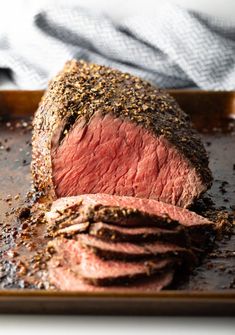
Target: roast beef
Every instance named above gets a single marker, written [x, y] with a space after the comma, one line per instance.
[109, 232]
[130, 211]
[135, 252]
[96, 271]
[63, 278]
[122, 216]
[99, 130]
[85, 202]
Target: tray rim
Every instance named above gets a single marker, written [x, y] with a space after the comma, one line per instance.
[164, 303]
[228, 294]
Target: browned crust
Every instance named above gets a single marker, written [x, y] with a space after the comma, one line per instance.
[81, 89]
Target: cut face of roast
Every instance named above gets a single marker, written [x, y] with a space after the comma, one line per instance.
[98, 130]
[114, 156]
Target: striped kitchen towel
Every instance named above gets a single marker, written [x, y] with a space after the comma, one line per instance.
[175, 48]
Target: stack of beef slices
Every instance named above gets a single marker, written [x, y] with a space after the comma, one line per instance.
[102, 241]
[124, 163]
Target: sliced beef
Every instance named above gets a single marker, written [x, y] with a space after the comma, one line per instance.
[85, 202]
[63, 278]
[136, 252]
[126, 217]
[98, 130]
[96, 271]
[130, 211]
[109, 232]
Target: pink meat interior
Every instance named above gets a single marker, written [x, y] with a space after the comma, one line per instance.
[114, 156]
[89, 265]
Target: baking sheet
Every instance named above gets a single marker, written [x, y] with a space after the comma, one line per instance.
[210, 289]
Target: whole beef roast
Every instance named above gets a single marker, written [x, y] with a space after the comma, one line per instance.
[99, 130]
[71, 214]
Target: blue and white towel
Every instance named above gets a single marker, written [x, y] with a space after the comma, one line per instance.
[176, 48]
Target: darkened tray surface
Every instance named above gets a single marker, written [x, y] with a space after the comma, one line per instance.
[210, 290]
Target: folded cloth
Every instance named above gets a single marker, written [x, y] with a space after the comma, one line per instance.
[175, 48]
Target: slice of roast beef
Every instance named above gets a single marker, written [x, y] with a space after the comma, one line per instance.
[84, 202]
[121, 216]
[136, 252]
[109, 232]
[63, 278]
[96, 271]
[146, 213]
[98, 130]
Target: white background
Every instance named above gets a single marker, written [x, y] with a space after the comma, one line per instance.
[58, 325]
[82, 325]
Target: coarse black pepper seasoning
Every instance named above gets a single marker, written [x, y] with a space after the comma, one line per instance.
[81, 89]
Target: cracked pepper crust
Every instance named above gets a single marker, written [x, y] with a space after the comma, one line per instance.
[81, 89]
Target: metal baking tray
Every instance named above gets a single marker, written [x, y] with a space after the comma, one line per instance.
[211, 288]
